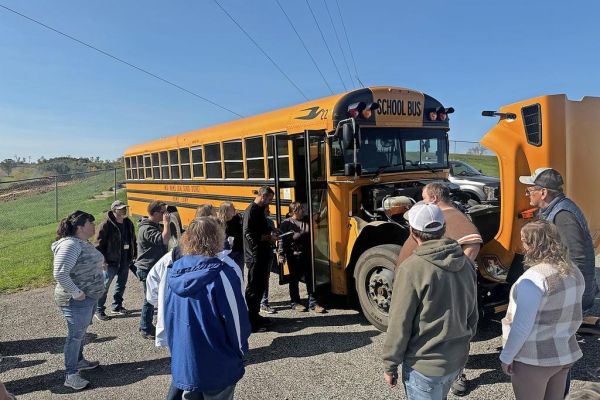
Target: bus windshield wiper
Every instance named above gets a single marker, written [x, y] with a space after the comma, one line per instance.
[382, 168]
[427, 166]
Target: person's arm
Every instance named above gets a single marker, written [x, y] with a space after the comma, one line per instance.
[471, 250]
[166, 233]
[133, 239]
[249, 228]
[473, 318]
[400, 325]
[65, 259]
[572, 236]
[101, 239]
[528, 297]
[155, 276]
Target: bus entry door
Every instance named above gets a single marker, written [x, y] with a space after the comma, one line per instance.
[310, 188]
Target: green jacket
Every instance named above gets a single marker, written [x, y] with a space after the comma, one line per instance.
[433, 314]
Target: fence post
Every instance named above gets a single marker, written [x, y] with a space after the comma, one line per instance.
[115, 186]
[56, 197]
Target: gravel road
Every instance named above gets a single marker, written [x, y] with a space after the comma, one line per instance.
[305, 356]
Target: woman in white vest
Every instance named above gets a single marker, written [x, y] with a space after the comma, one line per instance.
[544, 312]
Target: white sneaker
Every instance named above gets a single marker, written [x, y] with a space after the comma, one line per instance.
[84, 365]
[75, 381]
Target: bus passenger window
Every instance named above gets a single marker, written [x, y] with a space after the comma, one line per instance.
[174, 163]
[164, 165]
[155, 166]
[197, 167]
[140, 167]
[284, 159]
[234, 163]
[128, 168]
[184, 157]
[255, 158]
[213, 160]
[147, 166]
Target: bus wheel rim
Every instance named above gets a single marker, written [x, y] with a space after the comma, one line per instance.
[379, 288]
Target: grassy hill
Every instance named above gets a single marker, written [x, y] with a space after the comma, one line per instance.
[487, 164]
[28, 227]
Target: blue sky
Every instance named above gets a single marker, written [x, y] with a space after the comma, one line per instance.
[58, 97]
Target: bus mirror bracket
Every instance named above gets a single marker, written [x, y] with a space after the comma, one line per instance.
[350, 140]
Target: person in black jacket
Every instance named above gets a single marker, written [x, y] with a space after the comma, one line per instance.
[116, 242]
[257, 254]
[233, 232]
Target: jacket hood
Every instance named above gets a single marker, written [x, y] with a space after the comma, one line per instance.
[146, 221]
[56, 245]
[191, 274]
[443, 253]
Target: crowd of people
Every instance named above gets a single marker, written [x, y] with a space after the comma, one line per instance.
[206, 312]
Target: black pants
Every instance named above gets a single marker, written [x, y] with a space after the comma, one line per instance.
[300, 267]
[258, 273]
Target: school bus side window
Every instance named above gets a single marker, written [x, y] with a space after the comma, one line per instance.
[164, 165]
[174, 163]
[155, 166]
[284, 158]
[184, 157]
[255, 158]
[134, 172]
[147, 166]
[128, 167]
[140, 167]
[213, 160]
[234, 163]
[197, 167]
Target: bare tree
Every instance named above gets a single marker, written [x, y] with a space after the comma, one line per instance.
[8, 165]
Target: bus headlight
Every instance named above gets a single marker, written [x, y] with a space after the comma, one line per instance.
[492, 269]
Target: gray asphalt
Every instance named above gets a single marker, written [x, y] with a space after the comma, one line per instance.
[305, 356]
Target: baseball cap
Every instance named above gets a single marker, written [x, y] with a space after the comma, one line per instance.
[118, 204]
[425, 217]
[548, 178]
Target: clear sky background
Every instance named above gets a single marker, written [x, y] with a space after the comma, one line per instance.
[60, 98]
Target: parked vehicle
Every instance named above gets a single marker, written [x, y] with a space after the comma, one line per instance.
[481, 188]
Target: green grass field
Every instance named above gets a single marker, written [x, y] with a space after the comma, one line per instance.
[487, 164]
[28, 227]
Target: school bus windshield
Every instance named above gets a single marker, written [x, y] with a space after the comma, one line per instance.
[395, 149]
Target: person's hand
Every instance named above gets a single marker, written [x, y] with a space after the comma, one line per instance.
[166, 218]
[390, 379]
[80, 297]
[508, 369]
[280, 259]
[104, 266]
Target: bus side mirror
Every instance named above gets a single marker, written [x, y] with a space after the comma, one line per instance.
[348, 135]
[352, 169]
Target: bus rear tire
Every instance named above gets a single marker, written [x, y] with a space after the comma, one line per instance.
[374, 282]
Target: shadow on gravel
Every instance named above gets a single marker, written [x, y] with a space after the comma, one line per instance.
[111, 375]
[53, 345]
[309, 345]
[308, 319]
[8, 363]
[587, 368]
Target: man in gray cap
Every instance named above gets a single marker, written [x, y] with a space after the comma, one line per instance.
[433, 314]
[116, 241]
[545, 191]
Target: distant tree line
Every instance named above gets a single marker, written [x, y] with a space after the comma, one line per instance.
[58, 165]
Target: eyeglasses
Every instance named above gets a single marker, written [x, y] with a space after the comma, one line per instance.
[530, 190]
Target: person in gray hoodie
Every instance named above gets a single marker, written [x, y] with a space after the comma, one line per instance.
[151, 246]
[433, 314]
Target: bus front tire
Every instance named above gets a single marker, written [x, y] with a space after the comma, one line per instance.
[374, 282]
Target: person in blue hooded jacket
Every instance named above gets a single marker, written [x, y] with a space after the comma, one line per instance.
[206, 317]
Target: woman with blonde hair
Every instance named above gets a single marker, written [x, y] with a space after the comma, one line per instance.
[207, 324]
[232, 221]
[543, 315]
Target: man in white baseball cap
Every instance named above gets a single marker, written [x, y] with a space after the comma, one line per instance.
[433, 314]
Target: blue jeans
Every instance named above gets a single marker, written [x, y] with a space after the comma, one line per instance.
[421, 387]
[147, 313]
[223, 394]
[121, 272]
[78, 314]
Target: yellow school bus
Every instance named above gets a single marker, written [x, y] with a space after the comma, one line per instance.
[355, 159]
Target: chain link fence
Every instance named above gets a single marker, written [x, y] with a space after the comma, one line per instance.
[45, 200]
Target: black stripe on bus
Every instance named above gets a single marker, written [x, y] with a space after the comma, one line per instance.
[271, 184]
[237, 199]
